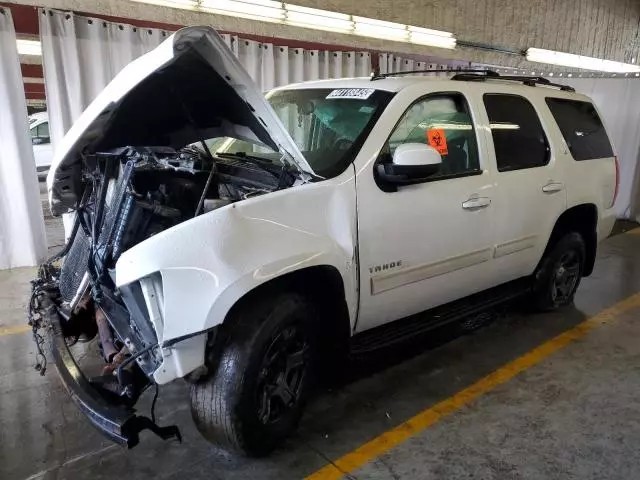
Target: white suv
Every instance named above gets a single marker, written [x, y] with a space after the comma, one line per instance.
[245, 243]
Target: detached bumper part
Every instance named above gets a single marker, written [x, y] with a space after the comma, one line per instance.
[117, 422]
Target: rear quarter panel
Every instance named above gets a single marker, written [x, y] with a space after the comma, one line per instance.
[590, 181]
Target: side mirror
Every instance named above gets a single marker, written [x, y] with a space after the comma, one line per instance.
[412, 163]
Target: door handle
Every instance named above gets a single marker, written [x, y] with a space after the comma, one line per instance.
[476, 203]
[552, 187]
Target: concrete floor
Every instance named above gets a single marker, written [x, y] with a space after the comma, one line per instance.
[575, 415]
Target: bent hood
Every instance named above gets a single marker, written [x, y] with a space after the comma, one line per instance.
[190, 87]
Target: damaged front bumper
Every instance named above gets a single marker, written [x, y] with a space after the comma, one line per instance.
[105, 411]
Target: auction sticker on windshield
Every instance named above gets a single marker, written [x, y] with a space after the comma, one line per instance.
[358, 93]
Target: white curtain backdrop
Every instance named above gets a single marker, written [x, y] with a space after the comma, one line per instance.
[273, 66]
[618, 100]
[22, 237]
[390, 63]
[80, 56]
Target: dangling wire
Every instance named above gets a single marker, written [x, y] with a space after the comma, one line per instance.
[153, 404]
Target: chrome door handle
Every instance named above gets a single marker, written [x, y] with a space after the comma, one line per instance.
[552, 187]
[476, 202]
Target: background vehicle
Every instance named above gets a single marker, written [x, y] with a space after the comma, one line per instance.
[41, 140]
[329, 219]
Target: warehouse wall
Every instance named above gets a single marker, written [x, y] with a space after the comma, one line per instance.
[600, 28]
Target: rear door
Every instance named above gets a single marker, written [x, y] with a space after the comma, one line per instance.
[589, 158]
[530, 179]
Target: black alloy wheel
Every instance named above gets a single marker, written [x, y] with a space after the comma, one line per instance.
[282, 374]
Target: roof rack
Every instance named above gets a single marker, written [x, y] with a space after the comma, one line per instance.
[487, 73]
[471, 75]
[525, 80]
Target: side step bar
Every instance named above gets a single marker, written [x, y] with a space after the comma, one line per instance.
[406, 328]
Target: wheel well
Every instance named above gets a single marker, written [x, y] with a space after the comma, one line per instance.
[584, 220]
[324, 288]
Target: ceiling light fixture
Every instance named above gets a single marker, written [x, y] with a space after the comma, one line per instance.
[263, 10]
[318, 19]
[29, 47]
[306, 17]
[369, 27]
[578, 61]
[435, 38]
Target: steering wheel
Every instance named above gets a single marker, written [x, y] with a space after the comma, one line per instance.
[342, 144]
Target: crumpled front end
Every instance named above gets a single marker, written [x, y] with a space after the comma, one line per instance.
[132, 194]
[107, 400]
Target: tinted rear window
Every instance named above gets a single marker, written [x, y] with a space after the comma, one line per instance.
[518, 137]
[581, 128]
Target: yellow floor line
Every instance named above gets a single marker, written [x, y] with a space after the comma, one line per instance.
[423, 420]
[14, 330]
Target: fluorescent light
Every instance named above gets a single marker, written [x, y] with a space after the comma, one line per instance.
[29, 47]
[317, 12]
[578, 61]
[370, 27]
[318, 19]
[428, 31]
[434, 38]
[265, 10]
[184, 4]
[306, 17]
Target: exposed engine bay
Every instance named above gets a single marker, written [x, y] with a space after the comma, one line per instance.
[131, 194]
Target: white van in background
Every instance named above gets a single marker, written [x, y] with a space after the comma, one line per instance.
[41, 140]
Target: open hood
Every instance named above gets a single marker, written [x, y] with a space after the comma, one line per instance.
[190, 87]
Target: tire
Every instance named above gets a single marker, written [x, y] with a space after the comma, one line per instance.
[256, 396]
[559, 273]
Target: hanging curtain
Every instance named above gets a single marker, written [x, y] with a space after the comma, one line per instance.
[390, 63]
[22, 237]
[272, 66]
[80, 57]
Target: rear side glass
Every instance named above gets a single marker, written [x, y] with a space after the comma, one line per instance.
[581, 128]
[518, 137]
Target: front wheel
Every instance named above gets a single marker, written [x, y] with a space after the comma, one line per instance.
[558, 276]
[255, 398]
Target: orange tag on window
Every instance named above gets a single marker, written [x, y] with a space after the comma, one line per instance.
[438, 140]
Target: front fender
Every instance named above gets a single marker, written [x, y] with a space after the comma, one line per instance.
[209, 262]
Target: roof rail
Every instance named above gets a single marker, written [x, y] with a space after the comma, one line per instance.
[487, 73]
[472, 75]
[525, 80]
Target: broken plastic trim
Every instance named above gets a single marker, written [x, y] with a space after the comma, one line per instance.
[117, 422]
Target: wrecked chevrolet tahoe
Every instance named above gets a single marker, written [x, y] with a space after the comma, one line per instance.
[246, 243]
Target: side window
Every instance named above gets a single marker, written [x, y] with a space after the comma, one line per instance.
[444, 122]
[518, 137]
[581, 128]
[43, 130]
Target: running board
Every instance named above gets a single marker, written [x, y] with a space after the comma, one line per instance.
[414, 325]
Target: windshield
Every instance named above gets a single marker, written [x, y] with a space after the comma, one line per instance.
[328, 126]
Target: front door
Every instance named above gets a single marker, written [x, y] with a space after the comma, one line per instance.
[430, 243]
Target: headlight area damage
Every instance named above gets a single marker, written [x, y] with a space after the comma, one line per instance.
[130, 195]
[189, 89]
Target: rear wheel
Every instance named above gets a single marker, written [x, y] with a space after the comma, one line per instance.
[255, 398]
[558, 276]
